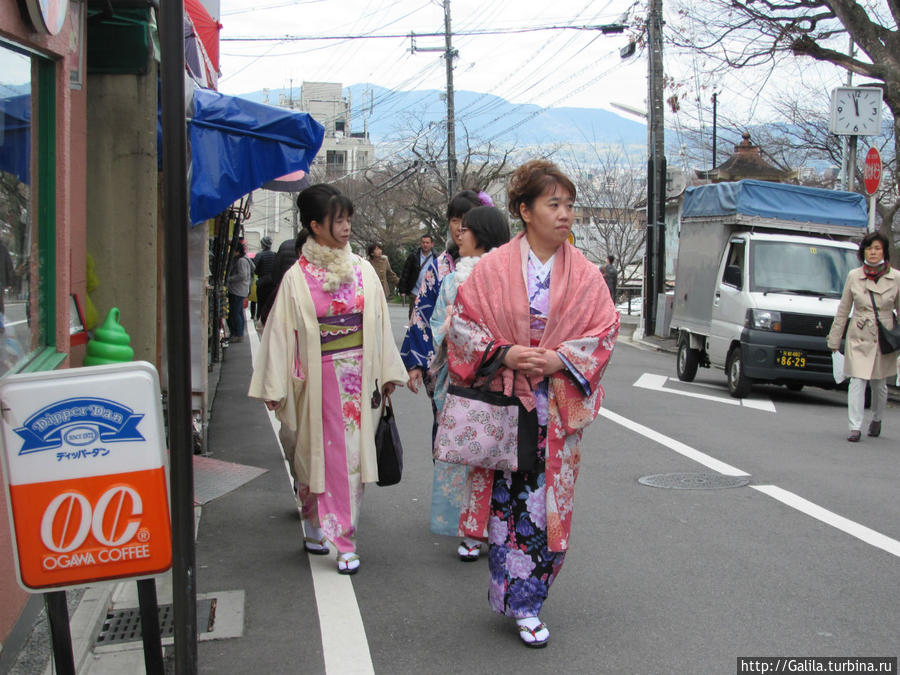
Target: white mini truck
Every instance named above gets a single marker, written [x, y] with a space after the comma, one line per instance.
[760, 271]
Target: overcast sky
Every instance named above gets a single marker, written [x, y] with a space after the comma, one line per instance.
[549, 68]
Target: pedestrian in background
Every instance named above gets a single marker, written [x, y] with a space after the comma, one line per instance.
[876, 282]
[239, 275]
[382, 266]
[540, 301]
[483, 229]
[326, 358]
[611, 275]
[264, 264]
[413, 270]
[285, 257]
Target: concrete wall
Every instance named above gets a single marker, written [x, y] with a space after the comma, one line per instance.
[122, 202]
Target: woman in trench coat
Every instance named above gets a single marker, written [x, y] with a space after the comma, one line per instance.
[863, 360]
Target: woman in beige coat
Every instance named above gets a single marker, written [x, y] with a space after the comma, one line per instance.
[863, 360]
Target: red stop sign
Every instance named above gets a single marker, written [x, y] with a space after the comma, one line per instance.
[872, 171]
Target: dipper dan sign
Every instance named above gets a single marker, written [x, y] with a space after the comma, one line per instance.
[84, 464]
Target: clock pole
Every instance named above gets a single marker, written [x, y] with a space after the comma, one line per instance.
[851, 163]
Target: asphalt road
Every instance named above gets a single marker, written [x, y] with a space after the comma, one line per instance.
[656, 580]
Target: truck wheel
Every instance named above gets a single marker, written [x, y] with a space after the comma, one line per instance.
[738, 383]
[687, 361]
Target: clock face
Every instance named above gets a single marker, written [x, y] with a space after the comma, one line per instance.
[856, 111]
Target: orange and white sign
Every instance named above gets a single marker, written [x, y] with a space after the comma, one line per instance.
[84, 463]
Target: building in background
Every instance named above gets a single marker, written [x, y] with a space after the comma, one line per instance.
[345, 151]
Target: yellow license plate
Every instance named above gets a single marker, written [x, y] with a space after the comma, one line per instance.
[790, 358]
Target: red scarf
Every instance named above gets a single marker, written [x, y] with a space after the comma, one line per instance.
[875, 272]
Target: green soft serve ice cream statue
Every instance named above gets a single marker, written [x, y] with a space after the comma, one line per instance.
[110, 344]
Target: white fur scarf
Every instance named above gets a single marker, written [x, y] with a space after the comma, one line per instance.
[337, 263]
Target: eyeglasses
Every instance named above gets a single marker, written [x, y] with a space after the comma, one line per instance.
[462, 228]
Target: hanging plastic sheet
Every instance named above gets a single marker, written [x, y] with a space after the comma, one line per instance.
[237, 145]
[15, 136]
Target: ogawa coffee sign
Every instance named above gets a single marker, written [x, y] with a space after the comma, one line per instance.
[84, 464]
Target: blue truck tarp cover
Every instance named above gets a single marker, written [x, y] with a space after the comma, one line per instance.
[776, 200]
[236, 145]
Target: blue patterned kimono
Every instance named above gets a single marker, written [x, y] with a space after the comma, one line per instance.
[418, 344]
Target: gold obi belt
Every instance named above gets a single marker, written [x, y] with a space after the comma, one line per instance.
[341, 332]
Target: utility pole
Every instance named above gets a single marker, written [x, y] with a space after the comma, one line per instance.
[655, 260]
[715, 99]
[451, 113]
[449, 54]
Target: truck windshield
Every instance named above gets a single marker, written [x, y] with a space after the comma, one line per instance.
[802, 269]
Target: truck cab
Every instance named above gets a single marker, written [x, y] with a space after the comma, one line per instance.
[755, 296]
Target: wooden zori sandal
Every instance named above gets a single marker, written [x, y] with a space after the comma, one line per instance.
[468, 553]
[348, 563]
[535, 636]
[315, 546]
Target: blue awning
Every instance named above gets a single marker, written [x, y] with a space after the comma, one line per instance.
[236, 145]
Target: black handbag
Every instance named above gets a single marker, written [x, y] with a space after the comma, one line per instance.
[388, 449]
[888, 338]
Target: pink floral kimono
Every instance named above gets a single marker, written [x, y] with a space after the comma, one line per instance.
[325, 355]
[564, 305]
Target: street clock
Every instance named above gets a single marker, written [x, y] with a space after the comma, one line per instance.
[856, 111]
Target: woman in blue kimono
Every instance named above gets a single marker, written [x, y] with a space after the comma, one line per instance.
[483, 228]
[418, 345]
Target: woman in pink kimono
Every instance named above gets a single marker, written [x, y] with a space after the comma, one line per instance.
[539, 301]
[326, 358]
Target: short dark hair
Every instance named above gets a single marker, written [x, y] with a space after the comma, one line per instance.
[426, 236]
[462, 203]
[488, 225]
[868, 240]
[533, 179]
[371, 249]
[610, 259]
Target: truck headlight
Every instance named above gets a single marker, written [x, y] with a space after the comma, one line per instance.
[764, 319]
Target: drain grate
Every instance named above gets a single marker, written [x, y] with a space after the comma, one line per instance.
[694, 481]
[124, 625]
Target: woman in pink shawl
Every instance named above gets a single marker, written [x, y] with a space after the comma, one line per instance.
[541, 302]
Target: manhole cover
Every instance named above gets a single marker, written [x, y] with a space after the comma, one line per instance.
[694, 481]
[124, 625]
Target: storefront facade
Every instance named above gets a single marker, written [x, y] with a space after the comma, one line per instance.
[42, 218]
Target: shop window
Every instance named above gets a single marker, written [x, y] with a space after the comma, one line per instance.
[27, 211]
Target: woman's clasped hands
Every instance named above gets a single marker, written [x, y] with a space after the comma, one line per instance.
[533, 361]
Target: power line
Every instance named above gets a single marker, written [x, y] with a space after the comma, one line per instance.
[606, 29]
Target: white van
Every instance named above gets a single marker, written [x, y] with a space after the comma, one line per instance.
[761, 268]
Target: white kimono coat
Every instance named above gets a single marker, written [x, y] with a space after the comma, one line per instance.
[291, 335]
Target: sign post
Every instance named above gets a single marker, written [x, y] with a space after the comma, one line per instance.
[872, 181]
[84, 466]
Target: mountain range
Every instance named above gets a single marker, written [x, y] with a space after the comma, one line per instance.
[394, 116]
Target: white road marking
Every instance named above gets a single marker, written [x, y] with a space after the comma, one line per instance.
[851, 527]
[672, 444]
[795, 501]
[345, 647]
[658, 383]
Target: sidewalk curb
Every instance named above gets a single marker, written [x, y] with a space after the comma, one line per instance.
[86, 622]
